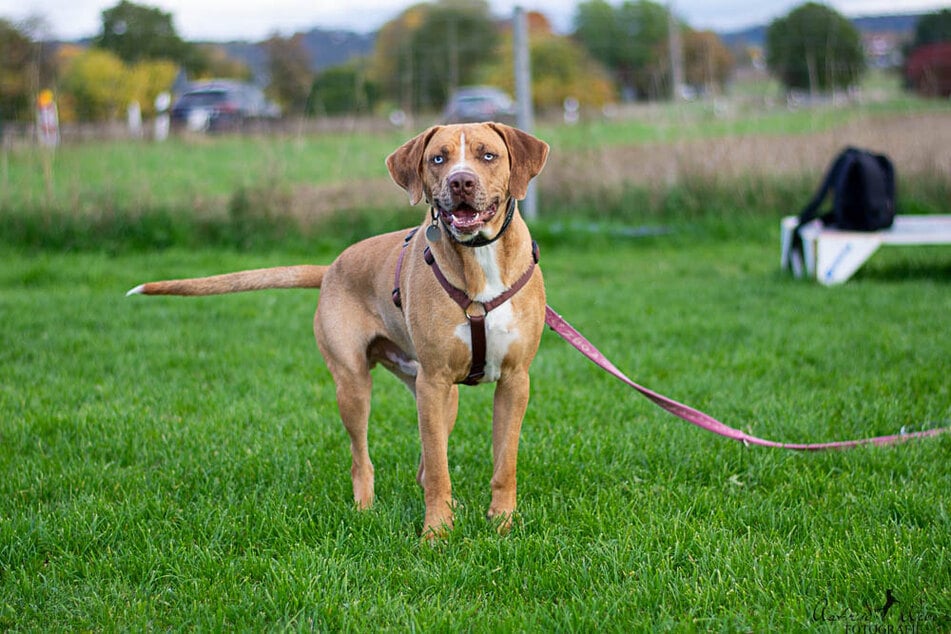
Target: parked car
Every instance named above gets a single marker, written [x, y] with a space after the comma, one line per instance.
[221, 105]
[479, 103]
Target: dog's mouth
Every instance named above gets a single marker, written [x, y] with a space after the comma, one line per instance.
[465, 219]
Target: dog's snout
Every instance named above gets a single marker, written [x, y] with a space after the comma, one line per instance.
[463, 183]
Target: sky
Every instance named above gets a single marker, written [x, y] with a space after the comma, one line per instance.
[223, 20]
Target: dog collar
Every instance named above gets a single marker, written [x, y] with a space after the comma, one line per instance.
[479, 240]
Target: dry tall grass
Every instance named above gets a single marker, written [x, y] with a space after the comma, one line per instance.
[919, 145]
[629, 182]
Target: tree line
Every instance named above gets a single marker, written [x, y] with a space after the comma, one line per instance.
[615, 51]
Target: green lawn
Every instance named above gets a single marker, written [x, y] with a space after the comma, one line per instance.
[174, 463]
[186, 172]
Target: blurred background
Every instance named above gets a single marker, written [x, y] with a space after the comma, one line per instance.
[261, 113]
[403, 64]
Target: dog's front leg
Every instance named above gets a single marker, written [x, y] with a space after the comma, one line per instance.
[437, 401]
[511, 401]
[451, 417]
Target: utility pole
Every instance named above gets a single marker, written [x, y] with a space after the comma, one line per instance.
[676, 53]
[525, 118]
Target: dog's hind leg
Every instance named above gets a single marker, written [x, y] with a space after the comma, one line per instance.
[353, 400]
[350, 368]
[354, 385]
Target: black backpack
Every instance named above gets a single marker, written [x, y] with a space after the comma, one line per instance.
[863, 186]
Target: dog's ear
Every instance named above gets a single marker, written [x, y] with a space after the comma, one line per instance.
[406, 164]
[527, 156]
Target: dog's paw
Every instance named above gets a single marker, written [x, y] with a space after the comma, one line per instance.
[501, 520]
[434, 532]
[439, 521]
[363, 492]
[363, 497]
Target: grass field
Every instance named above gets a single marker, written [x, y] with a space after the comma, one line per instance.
[170, 463]
[178, 464]
[312, 175]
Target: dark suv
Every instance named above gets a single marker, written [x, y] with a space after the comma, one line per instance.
[220, 105]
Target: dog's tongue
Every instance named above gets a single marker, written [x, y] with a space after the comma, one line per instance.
[465, 217]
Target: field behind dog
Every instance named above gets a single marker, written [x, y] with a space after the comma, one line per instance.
[176, 463]
[647, 165]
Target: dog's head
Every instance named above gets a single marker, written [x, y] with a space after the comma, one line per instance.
[468, 172]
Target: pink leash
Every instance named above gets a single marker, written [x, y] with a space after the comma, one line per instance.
[698, 418]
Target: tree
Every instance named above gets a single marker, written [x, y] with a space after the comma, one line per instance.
[94, 85]
[291, 75]
[814, 48]
[16, 83]
[430, 49]
[631, 41]
[391, 67]
[98, 86]
[26, 66]
[928, 57]
[708, 63]
[146, 79]
[454, 40]
[213, 61]
[933, 28]
[561, 69]
[342, 90]
[136, 32]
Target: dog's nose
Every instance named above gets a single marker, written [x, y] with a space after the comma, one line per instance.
[463, 183]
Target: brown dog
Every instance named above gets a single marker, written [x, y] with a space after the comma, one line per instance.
[459, 301]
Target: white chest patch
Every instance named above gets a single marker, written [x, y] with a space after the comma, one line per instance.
[494, 287]
[500, 326]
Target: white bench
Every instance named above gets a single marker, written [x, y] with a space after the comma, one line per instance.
[833, 256]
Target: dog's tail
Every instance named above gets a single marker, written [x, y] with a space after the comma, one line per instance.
[303, 276]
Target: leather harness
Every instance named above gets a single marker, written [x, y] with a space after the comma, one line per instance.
[476, 319]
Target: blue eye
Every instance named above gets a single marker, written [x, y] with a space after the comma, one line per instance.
[438, 159]
[489, 156]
